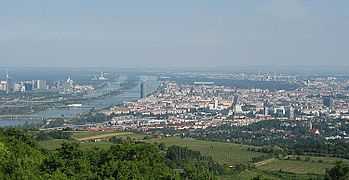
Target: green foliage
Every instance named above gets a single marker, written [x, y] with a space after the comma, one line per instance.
[54, 134]
[21, 158]
[284, 137]
[227, 154]
[339, 172]
[92, 117]
[193, 163]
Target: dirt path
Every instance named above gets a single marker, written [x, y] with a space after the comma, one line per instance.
[264, 162]
[104, 136]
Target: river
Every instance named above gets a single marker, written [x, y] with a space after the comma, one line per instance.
[128, 95]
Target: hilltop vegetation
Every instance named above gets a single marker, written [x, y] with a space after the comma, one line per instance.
[77, 155]
[22, 158]
[289, 136]
[248, 162]
[228, 154]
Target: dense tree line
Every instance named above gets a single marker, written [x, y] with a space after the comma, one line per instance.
[241, 84]
[195, 165]
[52, 134]
[92, 117]
[22, 158]
[339, 172]
[290, 138]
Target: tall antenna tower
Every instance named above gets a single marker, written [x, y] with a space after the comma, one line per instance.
[7, 82]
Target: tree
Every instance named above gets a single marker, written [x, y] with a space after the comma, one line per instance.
[339, 172]
[162, 146]
[22, 159]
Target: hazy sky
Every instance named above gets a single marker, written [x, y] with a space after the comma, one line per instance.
[174, 33]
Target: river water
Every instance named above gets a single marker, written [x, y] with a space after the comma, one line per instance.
[132, 94]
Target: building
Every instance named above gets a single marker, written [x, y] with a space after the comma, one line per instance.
[8, 82]
[279, 111]
[328, 101]
[28, 86]
[216, 103]
[70, 82]
[291, 114]
[41, 84]
[101, 77]
[142, 93]
[68, 85]
[266, 108]
[18, 87]
[3, 85]
[234, 105]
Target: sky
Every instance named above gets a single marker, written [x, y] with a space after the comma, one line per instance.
[180, 33]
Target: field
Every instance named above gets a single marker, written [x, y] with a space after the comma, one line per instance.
[253, 173]
[328, 160]
[225, 153]
[298, 167]
[102, 136]
[84, 134]
[232, 154]
[51, 144]
[56, 143]
[89, 136]
[314, 165]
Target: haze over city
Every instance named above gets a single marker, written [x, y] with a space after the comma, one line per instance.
[162, 34]
[174, 90]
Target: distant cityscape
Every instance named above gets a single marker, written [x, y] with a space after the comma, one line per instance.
[190, 101]
[10, 85]
[283, 115]
[174, 90]
[204, 104]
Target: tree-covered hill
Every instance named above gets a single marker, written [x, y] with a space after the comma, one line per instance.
[22, 158]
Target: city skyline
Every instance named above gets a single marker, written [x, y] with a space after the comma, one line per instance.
[194, 89]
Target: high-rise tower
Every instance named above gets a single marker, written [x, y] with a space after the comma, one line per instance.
[142, 94]
[8, 82]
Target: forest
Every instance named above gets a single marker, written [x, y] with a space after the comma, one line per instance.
[22, 158]
[291, 137]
